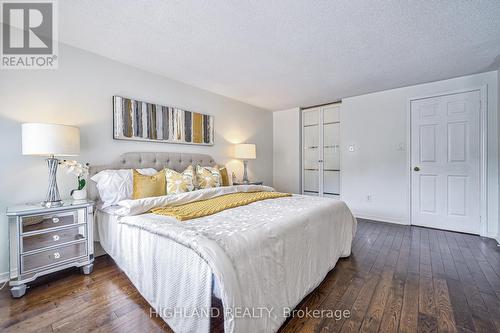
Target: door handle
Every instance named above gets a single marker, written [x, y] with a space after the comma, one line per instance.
[416, 169]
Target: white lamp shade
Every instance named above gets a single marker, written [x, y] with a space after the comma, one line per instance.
[50, 139]
[245, 151]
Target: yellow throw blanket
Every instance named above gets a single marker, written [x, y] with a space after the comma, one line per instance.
[207, 207]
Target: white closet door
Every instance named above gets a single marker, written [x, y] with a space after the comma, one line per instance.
[331, 113]
[321, 151]
[311, 151]
[311, 147]
[331, 182]
[311, 182]
[331, 150]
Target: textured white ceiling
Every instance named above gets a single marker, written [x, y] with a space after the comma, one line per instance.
[285, 53]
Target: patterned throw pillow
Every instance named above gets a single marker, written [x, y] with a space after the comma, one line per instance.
[180, 182]
[207, 177]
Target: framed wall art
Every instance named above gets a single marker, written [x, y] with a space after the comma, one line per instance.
[143, 121]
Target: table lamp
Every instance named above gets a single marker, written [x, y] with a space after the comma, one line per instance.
[51, 140]
[245, 152]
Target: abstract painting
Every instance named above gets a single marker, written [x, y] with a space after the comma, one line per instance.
[142, 121]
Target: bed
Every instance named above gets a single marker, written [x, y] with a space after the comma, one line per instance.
[259, 259]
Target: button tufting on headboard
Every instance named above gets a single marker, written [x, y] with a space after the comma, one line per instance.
[156, 160]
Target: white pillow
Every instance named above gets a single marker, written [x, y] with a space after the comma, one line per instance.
[117, 185]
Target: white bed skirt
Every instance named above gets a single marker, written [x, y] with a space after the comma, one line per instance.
[167, 274]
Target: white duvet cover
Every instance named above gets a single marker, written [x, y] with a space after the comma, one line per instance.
[266, 256]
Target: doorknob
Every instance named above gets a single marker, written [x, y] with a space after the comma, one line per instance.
[416, 169]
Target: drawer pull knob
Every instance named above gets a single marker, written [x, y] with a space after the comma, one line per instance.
[57, 255]
[55, 219]
[55, 238]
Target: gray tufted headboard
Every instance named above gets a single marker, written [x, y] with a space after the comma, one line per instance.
[160, 160]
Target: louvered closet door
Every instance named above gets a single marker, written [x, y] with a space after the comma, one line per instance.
[311, 151]
[331, 151]
[445, 156]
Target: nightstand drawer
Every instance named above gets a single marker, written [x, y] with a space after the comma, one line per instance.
[53, 256]
[40, 241]
[35, 223]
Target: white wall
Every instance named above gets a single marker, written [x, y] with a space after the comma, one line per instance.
[377, 126]
[286, 143]
[80, 93]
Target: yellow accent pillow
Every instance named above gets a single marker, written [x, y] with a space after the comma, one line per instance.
[180, 182]
[224, 177]
[148, 186]
[207, 177]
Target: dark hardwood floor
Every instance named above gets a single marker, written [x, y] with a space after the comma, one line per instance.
[398, 279]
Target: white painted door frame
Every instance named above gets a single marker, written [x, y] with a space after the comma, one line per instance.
[483, 159]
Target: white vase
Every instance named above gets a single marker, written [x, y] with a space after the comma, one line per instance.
[79, 194]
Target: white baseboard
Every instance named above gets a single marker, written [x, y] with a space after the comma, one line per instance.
[382, 219]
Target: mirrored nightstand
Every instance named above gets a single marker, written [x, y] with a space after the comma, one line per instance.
[45, 240]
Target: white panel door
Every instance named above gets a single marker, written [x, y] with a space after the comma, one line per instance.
[445, 162]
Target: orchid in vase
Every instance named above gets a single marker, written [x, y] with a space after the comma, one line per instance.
[81, 171]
